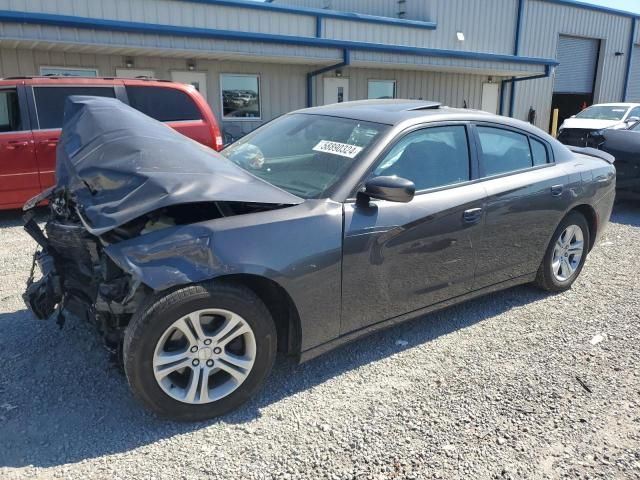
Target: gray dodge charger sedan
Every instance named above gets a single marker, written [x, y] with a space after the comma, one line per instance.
[319, 227]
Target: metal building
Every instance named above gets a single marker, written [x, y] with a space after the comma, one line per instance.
[256, 60]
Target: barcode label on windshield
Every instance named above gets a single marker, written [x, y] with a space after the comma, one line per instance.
[337, 148]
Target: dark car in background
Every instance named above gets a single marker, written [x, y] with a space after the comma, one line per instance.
[624, 145]
[31, 110]
[319, 227]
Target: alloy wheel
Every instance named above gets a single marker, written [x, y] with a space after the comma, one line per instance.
[567, 253]
[204, 356]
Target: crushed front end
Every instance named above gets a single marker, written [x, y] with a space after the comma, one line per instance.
[77, 279]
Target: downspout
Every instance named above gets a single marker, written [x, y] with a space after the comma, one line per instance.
[625, 91]
[346, 61]
[516, 52]
[546, 74]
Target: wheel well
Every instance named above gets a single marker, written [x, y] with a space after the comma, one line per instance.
[592, 220]
[280, 306]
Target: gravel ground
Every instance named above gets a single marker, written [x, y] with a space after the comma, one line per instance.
[507, 386]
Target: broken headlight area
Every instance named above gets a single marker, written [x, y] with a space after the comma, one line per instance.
[76, 278]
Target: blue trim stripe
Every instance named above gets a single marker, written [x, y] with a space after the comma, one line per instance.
[193, 32]
[319, 13]
[597, 8]
[632, 41]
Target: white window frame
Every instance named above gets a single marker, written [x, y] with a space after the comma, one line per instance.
[71, 69]
[241, 119]
[395, 85]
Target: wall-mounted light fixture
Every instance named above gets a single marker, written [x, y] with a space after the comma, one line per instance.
[490, 79]
[460, 36]
[338, 73]
[191, 65]
[129, 62]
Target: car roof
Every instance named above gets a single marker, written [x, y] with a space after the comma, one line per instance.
[407, 112]
[616, 104]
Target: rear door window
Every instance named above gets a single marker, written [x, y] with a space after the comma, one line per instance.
[163, 104]
[50, 102]
[9, 111]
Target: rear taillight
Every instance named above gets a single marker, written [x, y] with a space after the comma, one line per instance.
[217, 142]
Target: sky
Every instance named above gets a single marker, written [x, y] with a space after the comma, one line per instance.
[628, 5]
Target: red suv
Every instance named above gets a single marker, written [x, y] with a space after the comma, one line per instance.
[31, 110]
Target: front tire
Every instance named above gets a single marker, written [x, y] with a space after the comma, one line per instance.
[565, 255]
[199, 351]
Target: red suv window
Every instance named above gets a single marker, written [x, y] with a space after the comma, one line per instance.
[50, 102]
[163, 104]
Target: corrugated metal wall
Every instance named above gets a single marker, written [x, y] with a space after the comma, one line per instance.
[450, 89]
[283, 87]
[169, 12]
[382, 8]
[171, 44]
[488, 25]
[543, 23]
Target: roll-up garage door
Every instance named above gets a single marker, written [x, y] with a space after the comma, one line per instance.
[578, 59]
[633, 91]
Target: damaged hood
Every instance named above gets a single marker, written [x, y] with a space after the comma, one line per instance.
[118, 164]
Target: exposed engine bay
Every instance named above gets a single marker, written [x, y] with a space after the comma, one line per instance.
[80, 279]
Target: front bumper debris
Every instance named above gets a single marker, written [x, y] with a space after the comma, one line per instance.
[44, 295]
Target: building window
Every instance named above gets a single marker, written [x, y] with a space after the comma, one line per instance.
[240, 96]
[381, 89]
[69, 72]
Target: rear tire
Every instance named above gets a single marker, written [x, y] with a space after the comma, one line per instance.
[163, 335]
[565, 255]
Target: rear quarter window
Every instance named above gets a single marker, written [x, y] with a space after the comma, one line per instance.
[539, 152]
[163, 104]
[50, 102]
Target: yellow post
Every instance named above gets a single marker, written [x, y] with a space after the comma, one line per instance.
[554, 123]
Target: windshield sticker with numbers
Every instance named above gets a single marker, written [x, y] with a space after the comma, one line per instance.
[337, 148]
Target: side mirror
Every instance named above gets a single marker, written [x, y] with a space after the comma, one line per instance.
[631, 120]
[572, 116]
[393, 189]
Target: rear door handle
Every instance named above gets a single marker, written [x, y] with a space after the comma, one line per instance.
[473, 215]
[556, 190]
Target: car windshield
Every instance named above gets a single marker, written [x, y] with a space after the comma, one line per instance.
[304, 154]
[603, 112]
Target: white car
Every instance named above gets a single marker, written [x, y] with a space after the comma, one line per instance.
[575, 130]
